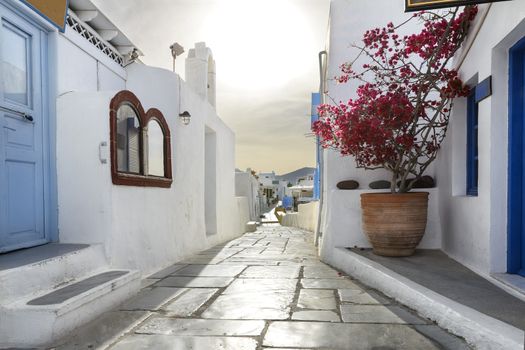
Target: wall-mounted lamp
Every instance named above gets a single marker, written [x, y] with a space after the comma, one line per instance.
[185, 117]
[176, 50]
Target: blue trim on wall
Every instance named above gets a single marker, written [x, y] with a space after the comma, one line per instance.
[50, 107]
[61, 28]
[472, 144]
[516, 241]
[316, 101]
[483, 89]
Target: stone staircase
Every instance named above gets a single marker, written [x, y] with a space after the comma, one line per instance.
[47, 291]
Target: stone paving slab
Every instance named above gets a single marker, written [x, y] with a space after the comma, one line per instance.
[316, 315]
[356, 296]
[103, 331]
[165, 342]
[270, 305]
[271, 272]
[249, 261]
[203, 260]
[189, 302]
[256, 284]
[195, 282]
[167, 271]
[200, 327]
[320, 271]
[147, 282]
[222, 251]
[297, 263]
[345, 336]
[251, 251]
[332, 283]
[210, 271]
[151, 299]
[318, 299]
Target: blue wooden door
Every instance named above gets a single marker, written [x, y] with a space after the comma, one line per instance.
[516, 186]
[22, 200]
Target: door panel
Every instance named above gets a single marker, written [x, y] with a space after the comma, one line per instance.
[21, 198]
[22, 201]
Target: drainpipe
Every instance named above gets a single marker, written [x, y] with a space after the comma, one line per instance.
[322, 87]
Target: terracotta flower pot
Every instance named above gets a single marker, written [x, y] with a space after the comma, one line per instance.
[394, 223]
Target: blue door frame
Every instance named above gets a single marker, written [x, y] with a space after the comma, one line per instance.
[45, 115]
[516, 183]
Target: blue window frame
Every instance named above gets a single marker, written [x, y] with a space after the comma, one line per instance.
[472, 144]
[516, 161]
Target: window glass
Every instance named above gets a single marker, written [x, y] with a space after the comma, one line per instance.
[155, 149]
[128, 140]
[14, 64]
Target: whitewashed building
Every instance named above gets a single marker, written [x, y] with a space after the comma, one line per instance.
[475, 212]
[342, 209]
[247, 185]
[471, 225]
[100, 179]
[269, 186]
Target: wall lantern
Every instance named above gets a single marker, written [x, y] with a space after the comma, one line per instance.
[185, 117]
[176, 50]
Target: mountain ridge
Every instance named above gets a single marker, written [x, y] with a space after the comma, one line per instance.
[293, 176]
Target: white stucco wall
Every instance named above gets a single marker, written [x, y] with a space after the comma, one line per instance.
[349, 19]
[305, 218]
[200, 72]
[82, 67]
[143, 228]
[341, 222]
[243, 213]
[475, 228]
[246, 185]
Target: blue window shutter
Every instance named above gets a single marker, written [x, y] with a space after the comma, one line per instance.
[472, 145]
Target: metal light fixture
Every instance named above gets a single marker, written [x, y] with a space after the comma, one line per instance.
[185, 117]
[176, 50]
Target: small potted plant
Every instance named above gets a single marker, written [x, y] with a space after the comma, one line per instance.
[398, 118]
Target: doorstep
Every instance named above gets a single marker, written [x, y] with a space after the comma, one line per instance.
[443, 290]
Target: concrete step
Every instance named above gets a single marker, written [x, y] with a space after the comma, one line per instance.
[41, 318]
[452, 308]
[251, 226]
[29, 271]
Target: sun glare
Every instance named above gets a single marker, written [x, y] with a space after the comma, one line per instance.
[265, 43]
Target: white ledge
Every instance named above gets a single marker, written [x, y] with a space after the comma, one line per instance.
[478, 329]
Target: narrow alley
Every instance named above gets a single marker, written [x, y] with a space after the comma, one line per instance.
[264, 290]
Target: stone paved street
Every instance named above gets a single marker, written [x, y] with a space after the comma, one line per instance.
[264, 290]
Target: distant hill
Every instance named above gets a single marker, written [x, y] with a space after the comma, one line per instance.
[295, 175]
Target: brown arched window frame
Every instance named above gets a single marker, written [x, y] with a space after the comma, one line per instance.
[126, 97]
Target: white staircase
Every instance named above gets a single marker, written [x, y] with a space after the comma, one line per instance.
[47, 291]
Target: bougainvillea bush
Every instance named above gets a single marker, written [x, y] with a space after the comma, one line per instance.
[400, 114]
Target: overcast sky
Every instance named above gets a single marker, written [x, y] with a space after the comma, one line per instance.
[266, 58]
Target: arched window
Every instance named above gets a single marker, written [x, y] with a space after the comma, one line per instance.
[155, 146]
[140, 144]
[128, 140]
